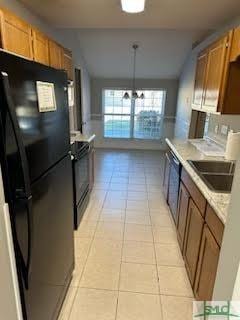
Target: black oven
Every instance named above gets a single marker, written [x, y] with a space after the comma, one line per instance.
[174, 184]
[80, 164]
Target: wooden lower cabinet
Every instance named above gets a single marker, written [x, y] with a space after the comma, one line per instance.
[183, 203]
[166, 176]
[193, 238]
[207, 266]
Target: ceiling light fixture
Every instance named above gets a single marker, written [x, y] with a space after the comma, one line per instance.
[134, 92]
[133, 6]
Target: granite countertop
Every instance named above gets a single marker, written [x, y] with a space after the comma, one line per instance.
[83, 138]
[184, 150]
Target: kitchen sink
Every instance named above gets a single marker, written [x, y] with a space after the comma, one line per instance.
[217, 175]
[218, 182]
[205, 166]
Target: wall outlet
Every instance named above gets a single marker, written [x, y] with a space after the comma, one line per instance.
[216, 129]
[224, 130]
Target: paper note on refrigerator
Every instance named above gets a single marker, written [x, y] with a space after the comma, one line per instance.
[46, 96]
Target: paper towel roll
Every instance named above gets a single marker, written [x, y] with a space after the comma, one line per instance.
[233, 146]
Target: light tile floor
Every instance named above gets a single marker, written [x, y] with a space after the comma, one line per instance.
[128, 262]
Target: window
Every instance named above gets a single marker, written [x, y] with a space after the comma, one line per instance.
[117, 114]
[129, 118]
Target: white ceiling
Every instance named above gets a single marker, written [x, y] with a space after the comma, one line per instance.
[165, 31]
[109, 53]
[166, 14]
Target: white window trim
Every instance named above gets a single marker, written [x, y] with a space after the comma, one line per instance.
[132, 114]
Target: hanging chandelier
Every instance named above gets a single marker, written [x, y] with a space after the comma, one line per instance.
[134, 92]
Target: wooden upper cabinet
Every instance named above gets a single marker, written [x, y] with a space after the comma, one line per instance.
[235, 48]
[55, 55]
[183, 202]
[67, 63]
[193, 237]
[207, 266]
[40, 47]
[217, 78]
[16, 35]
[214, 83]
[200, 79]
[19, 37]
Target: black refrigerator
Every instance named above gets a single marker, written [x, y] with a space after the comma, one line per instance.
[37, 178]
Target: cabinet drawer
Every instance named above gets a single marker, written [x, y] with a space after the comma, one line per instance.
[196, 195]
[215, 224]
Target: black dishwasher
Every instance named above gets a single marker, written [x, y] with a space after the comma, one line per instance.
[174, 184]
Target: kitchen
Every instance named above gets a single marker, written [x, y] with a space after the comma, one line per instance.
[152, 200]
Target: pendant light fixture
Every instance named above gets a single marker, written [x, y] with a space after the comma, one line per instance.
[133, 6]
[134, 92]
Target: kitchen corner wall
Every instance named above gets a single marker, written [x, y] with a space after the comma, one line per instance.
[97, 86]
[185, 93]
[70, 38]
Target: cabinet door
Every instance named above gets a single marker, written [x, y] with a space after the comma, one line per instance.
[40, 47]
[55, 55]
[235, 48]
[67, 63]
[215, 75]
[200, 79]
[192, 239]
[182, 214]
[16, 35]
[166, 176]
[207, 266]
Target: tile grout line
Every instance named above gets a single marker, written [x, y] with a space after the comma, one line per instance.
[78, 287]
[159, 289]
[120, 269]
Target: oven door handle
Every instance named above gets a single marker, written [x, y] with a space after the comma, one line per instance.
[84, 153]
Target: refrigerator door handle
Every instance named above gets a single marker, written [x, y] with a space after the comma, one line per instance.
[22, 195]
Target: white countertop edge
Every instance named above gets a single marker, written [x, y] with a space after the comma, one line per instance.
[213, 198]
[83, 138]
